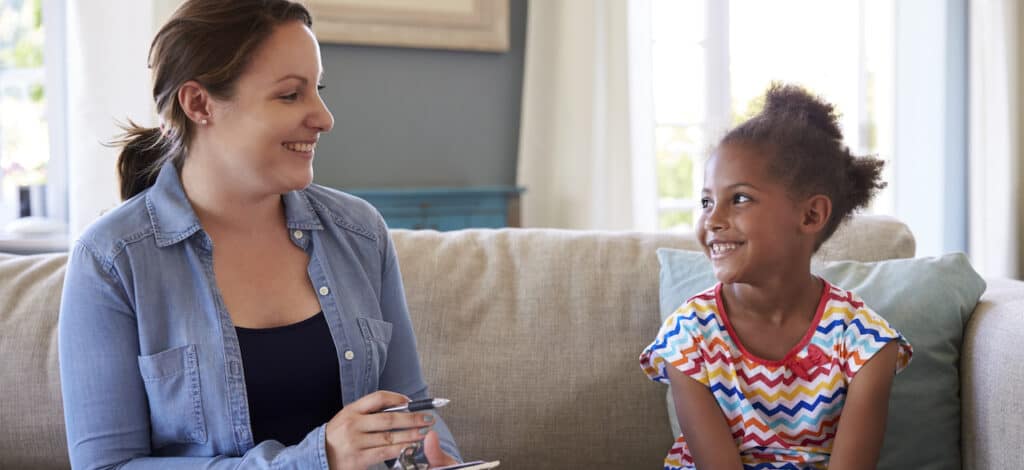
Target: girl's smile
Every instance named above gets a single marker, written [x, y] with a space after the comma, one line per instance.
[750, 224]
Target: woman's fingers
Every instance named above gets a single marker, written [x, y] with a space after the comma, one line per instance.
[360, 433]
[380, 454]
[377, 401]
[435, 455]
[389, 438]
[394, 420]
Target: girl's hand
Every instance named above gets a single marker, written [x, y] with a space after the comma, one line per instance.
[435, 456]
[357, 437]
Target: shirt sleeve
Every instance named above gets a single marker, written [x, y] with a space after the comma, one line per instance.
[402, 372]
[678, 344]
[866, 334]
[106, 411]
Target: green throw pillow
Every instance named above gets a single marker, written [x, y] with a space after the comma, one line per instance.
[929, 300]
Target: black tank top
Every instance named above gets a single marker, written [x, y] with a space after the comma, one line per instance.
[291, 379]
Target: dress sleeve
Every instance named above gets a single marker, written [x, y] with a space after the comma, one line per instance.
[866, 334]
[678, 344]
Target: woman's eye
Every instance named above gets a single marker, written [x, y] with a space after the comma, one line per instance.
[740, 198]
[290, 97]
[320, 87]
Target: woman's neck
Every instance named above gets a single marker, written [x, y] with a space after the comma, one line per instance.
[224, 205]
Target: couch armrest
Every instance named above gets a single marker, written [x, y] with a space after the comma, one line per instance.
[992, 379]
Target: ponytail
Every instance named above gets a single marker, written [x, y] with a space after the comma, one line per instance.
[211, 42]
[144, 151]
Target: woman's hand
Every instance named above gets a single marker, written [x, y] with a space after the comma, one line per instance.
[357, 437]
[435, 456]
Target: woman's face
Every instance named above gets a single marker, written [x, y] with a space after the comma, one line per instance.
[265, 136]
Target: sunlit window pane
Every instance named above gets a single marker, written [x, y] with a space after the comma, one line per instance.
[677, 151]
[24, 140]
[678, 54]
[841, 50]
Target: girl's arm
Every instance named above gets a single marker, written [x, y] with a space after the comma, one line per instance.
[862, 425]
[707, 433]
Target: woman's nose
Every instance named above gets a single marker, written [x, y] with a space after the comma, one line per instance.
[321, 117]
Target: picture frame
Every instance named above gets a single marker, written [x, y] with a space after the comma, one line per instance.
[473, 25]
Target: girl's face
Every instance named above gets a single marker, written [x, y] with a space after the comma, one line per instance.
[264, 138]
[750, 225]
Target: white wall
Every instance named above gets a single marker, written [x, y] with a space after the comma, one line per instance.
[108, 83]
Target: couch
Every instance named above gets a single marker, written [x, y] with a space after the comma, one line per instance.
[534, 336]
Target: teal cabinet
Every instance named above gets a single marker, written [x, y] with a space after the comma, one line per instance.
[446, 209]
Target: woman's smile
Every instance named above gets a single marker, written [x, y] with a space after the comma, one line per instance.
[304, 148]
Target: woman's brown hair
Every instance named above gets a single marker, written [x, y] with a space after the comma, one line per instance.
[211, 42]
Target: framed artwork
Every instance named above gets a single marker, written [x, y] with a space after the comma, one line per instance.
[477, 25]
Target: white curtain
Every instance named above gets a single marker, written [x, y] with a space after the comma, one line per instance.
[108, 81]
[994, 151]
[585, 144]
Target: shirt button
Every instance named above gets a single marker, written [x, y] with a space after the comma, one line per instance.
[324, 290]
[297, 234]
[349, 355]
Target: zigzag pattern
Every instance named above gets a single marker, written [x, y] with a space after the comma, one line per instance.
[781, 415]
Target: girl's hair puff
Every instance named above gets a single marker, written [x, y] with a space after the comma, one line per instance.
[799, 133]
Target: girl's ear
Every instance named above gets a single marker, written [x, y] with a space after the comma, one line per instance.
[816, 212]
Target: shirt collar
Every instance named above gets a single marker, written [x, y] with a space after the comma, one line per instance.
[174, 219]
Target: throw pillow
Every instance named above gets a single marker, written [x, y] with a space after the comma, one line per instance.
[929, 300]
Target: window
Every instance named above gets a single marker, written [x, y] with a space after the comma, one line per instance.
[29, 95]
[713, 60]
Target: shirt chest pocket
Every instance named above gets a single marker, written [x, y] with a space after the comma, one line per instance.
[376, 338]
[175, 399]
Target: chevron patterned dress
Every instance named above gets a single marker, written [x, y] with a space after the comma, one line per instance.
[783, 414]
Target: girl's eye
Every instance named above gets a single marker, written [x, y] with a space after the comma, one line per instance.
[705, 202]
[740, 198]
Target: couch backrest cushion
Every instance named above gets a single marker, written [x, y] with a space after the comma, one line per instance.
[535, 335]
[546, 325]
[30, 401]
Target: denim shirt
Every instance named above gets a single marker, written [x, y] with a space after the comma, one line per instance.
[150, 367]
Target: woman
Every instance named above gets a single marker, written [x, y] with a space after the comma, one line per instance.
[230, 314]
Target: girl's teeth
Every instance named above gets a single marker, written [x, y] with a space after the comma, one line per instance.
[723, 247]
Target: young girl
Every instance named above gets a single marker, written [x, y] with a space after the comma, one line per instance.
[774, 367]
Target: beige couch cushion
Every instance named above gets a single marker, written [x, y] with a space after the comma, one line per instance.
[992, 377]
[535, 334]
[30, 401]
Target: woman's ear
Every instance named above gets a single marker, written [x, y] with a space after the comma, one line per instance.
[195, 101]
[817, 210]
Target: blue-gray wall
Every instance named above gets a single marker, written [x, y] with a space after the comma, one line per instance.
[420, 117]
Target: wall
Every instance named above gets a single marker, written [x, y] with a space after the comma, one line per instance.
[1020, 138]
[108, 82]
[930, 185]
[417, 117]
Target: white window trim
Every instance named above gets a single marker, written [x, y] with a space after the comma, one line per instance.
[54, 18]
